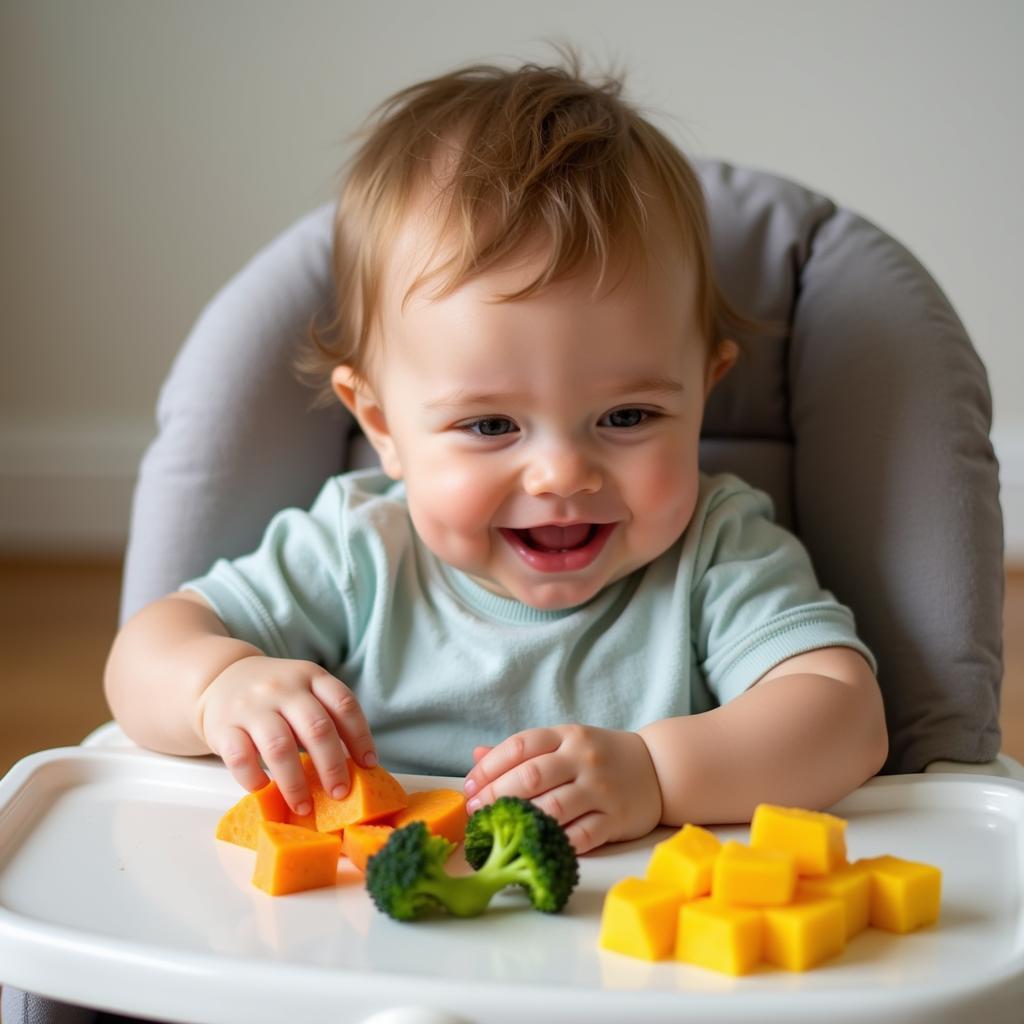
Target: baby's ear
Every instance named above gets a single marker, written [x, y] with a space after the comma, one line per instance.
[720, 363]
[358, 396]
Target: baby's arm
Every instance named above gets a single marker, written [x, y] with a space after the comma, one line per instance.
[806, 734]
[177, 682]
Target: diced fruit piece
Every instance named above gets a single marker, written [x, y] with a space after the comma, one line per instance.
[639, 918]
[290, 859]
[851, 885]
[302, 820]
[360, 842]
[685, 861]
[443, 811]
[904, 894]
[793, 880]
[240, 823]
[816, 841]
[719, 936]
[804, 933]
[751, 877]
[373, 793]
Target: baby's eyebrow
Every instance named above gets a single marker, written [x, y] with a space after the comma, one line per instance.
[462, 397]
[649, 385]
[639, 386]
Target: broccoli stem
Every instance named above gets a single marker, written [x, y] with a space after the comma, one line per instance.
[469, 895]
[463, 896]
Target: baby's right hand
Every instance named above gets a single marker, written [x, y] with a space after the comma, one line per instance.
[266, 707]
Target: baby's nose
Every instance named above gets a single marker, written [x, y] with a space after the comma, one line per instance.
[561, 470]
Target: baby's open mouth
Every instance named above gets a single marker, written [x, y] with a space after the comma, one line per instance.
[557, 538]
[554, 549]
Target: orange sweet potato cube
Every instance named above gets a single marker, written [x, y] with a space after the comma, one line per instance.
[240, 823]
[360, 842]
[290, 858]
[302, 820]
[374, 793]
[443, 811]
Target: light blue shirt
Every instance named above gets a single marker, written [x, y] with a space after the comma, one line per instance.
[440, 664]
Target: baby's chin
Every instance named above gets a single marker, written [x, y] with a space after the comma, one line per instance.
[545, 595]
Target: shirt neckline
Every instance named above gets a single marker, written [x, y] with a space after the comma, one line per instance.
[509, 609]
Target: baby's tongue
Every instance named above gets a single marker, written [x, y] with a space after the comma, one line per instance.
[555, 538]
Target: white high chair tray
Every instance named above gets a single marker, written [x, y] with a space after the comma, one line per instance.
[115, 894]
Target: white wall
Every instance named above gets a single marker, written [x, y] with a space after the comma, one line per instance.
[148, 148]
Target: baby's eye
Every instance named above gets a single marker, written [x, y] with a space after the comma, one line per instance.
[625, 418]
[490, 426]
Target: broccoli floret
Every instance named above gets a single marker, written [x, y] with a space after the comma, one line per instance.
[404, 877]
[515, 841]
[512, 843]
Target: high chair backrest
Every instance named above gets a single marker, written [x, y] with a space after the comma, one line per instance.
[867, 421]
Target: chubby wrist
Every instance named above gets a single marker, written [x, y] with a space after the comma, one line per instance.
[646, 755]
[670, 746]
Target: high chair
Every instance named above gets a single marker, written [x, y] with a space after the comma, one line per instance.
[866, 420]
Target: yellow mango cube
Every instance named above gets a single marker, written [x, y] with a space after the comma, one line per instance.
[802, 934]
[686, 861]
[639, 918]
[720, 937]
[751, 877]
[817, 841]
[851, 885]
[905, 894]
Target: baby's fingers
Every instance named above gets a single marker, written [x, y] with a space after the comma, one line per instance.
[238, 752]
[515, 767]
[315, 730]
[589, 832]
[341, 704]
[275, 740]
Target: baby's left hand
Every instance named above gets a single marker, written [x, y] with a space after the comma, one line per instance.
[600, 784]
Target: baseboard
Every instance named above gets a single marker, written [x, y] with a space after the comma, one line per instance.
[66, 487]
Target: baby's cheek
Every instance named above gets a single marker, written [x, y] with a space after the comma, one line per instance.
[666, 494]
[452, 512]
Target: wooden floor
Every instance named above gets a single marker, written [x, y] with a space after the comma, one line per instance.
[57, 621]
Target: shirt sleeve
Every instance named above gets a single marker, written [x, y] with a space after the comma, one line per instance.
[755, 599]
[293, 596]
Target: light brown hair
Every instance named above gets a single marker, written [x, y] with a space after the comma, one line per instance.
[533, 153]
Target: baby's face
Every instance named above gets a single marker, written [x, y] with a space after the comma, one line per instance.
[549, 445]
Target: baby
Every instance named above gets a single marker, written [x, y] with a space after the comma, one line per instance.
[539, 586]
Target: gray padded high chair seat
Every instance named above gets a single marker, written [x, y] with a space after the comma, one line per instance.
[867, 422]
